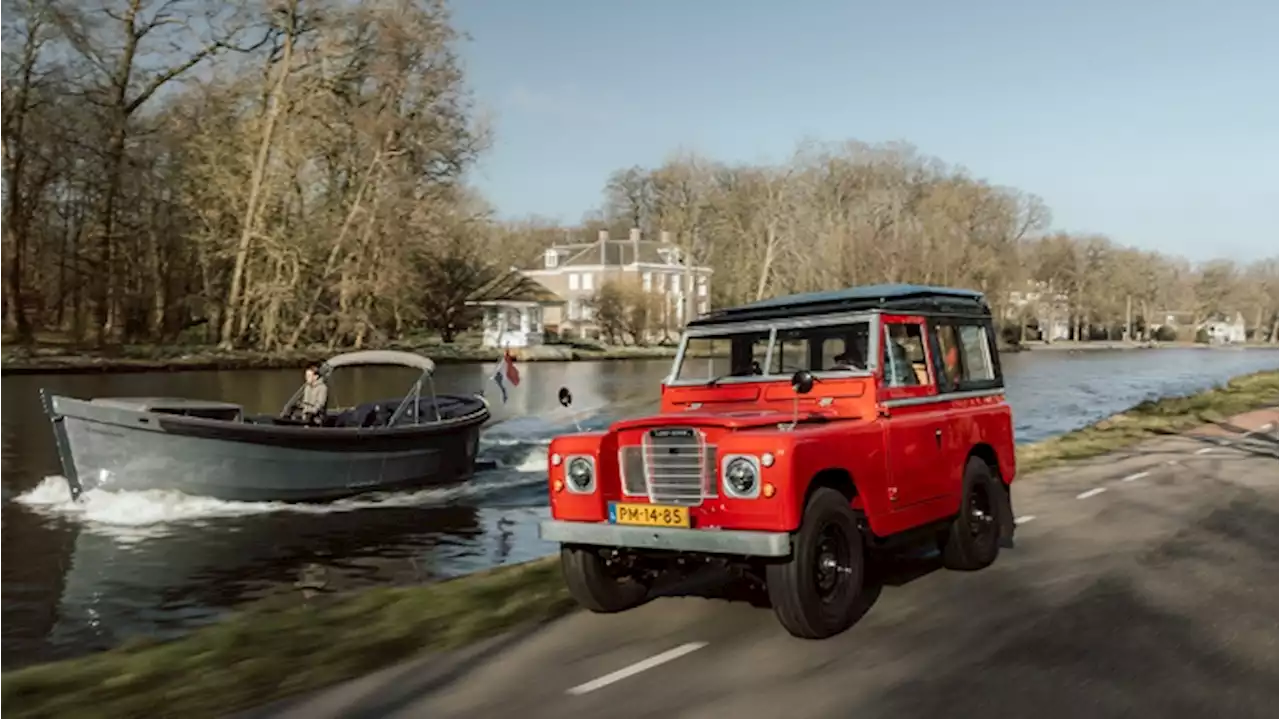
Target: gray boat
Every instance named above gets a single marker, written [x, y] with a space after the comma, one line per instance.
[213, 449]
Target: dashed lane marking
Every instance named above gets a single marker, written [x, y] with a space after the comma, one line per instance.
[1136, 475]
[640, 666]
[1024, 519]
[1206, 450]
[1091, 493]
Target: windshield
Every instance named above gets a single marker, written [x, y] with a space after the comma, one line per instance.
[743, 354]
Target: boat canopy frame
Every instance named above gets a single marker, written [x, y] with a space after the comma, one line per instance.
[385, 358]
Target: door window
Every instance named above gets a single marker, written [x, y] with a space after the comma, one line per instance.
[904, 358]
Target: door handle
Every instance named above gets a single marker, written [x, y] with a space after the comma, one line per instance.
[937, 437]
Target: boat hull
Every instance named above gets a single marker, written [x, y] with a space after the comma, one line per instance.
[110, 448]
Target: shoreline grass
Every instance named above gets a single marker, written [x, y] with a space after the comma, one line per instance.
[269, 652]
[1153, 418]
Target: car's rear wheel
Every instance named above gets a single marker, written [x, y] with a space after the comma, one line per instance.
[598, 583]
[815, 592]
[973, 540]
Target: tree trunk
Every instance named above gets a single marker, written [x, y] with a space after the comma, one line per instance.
[227, 339]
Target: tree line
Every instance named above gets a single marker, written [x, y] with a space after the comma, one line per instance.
[848, 213]
[269, 174]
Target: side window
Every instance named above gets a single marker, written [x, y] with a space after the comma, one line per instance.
[977, 353]
[904, 356]
[949, 351]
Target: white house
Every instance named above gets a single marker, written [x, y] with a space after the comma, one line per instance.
[1222, 331]
[513, 306]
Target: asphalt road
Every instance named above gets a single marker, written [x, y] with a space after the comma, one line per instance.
[1144, 584]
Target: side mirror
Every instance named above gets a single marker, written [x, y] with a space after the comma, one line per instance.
[802, 382]
[566, 399]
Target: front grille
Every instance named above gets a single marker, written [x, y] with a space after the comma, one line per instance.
[678, 467]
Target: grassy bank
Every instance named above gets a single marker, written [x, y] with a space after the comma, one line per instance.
[270, 652]
[1151, 419]
[267, 652]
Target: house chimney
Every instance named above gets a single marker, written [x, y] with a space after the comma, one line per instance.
[604, 244]
[635, 245]
[666, 237]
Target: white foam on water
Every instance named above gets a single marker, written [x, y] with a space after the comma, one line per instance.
[518, 446]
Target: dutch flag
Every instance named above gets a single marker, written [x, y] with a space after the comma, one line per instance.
[507, 372]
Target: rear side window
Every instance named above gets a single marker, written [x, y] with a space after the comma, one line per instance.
[963, 359]
[977, 354]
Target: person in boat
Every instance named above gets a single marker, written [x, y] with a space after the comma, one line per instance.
[313, 404]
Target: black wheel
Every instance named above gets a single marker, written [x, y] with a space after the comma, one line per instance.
[814, 593]
[973, 540]
[598, 584]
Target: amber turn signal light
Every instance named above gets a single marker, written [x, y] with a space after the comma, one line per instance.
[558, 485]
[768, 490]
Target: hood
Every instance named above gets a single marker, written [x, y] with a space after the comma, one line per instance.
[733, 419]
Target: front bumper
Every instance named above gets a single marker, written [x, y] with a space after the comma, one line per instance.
[711, 541]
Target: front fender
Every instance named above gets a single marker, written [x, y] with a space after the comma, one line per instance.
[584, 507]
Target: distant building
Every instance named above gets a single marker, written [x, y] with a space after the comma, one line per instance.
[1050, 311]
[576, 271]
[1225, 330]
[515, 308]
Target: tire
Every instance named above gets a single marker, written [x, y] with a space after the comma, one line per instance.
[972, 542]
[811, 598]
[598, 586]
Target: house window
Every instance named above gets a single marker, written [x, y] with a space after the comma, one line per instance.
[647, 280]
[573, 280]
[702, 285]
[575, 312]
[588, 280]
[551, 258]
[662, 282]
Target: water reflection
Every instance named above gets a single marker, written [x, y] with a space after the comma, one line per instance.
[80, 577]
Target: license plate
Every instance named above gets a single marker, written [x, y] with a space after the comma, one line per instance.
[648, 515]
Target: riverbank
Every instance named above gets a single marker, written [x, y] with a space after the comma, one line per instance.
[61, 359]
[271, 650]
[1109, 345]
[130, 359]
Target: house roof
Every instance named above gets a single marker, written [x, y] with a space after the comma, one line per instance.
[514, 286]
[616, 253]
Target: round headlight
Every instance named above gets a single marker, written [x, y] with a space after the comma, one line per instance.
[740, 476]
[767, 459]
[579, 473]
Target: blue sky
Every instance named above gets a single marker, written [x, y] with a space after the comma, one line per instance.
[1152, 122]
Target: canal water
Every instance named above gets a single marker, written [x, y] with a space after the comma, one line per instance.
[84, 576]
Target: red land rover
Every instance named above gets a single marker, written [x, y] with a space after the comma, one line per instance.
[793, 435]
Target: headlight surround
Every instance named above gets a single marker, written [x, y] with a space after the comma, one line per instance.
[580, 474]
[740, 476]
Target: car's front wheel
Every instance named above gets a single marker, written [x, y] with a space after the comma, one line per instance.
[814, 593]
[598, 583]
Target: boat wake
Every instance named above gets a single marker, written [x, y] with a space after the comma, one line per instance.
[515, 448]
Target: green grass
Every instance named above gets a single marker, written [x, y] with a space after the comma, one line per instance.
[268, 652]
[1151, 419]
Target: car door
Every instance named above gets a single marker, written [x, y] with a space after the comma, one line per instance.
[913, 420]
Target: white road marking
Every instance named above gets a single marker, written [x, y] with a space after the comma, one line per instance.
[1206, 450]
[636, 668]
[1024, 519]
[1171, 462]
[1265, 427]
[1091, 493]
[1138, 475]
